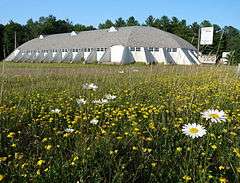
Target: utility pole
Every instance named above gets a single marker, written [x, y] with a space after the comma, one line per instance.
[4, 52]
[15, 40]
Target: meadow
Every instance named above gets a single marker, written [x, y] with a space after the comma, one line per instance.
[103, 123]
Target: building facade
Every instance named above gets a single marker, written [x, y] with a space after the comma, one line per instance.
[115, 45]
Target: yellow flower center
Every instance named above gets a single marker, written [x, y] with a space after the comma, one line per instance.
[193, 130]
[214, 116]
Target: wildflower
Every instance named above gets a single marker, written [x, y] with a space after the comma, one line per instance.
[221, 167]
[214, 115]
[223, 180]
[187, 178]
[134, 148]
[214, 146]
[13, 145]
[3, 159]
[94, 121]
[11, 135]
[81, 101]
[90, 86]
[69, 130]
[1, 177]
[178, 149]
[40, 162]
[101, 101]
[48, 147]
[121, 72]
[193, 130]
[44, 139]
[110, 97]
[56, 111]
[135, 70]
[154, 164]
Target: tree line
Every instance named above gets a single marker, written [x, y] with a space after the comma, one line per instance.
[226, 38]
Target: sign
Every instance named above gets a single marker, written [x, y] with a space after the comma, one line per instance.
[206, 36]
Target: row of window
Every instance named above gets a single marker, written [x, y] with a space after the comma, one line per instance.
[66, 50]
[152, 49]
[97, 49]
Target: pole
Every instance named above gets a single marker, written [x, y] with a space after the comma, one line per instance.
[4, 52]
[199, 35]
[15, 40]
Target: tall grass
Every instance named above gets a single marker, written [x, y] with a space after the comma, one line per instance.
[138, 137]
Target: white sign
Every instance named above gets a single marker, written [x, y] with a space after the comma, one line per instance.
[206, 36]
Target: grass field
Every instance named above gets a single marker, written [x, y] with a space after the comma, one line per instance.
[56, 128]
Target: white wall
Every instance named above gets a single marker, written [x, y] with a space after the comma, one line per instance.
[139, 56]
[159, 56]
[117, 53]
[86, 54]
[100, 54]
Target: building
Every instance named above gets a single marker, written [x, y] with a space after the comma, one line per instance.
[115, 45]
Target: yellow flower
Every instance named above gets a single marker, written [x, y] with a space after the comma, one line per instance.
[40, 162]
[221, 167]
[48, 147]
[11, 135]
[38, 172]
[186, 178]
[1, 177]
[223, 180]
[154, 164]
[178, 149]
[44, 139]
[134, 148]
[13, 145]
[119, 138]
[214, 147]
[3, 159]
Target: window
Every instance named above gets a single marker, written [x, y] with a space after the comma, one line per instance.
[171, 49]
[66, 50]
[102, 49]
[156, 49]
[132, 48]
[138, 49]
[74, 50]
[151, 49]
[88, 50]
[105, 49]
[98, 49]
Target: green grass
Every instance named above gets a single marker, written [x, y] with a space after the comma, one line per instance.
[138, 137]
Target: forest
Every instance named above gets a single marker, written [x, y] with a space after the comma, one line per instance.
[226, 38]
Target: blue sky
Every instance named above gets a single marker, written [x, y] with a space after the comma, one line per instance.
[222, 12]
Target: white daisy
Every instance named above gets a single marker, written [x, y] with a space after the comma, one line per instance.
[214, 115]
[81, 101]
[90, 86]
[69, 130]
[110, 97]
[135, 70]
[194, 130]
[100, 101]
[56, 111]
[121, 72]
[94, 121]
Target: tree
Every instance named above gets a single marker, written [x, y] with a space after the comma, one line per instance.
[1, 41]
[150, 21]
[131, 21]
[120, 22]
[9, 31]
[165, 24]
[107, 24]
[80, 27]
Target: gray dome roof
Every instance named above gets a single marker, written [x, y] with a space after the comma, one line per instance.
[135, 36]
